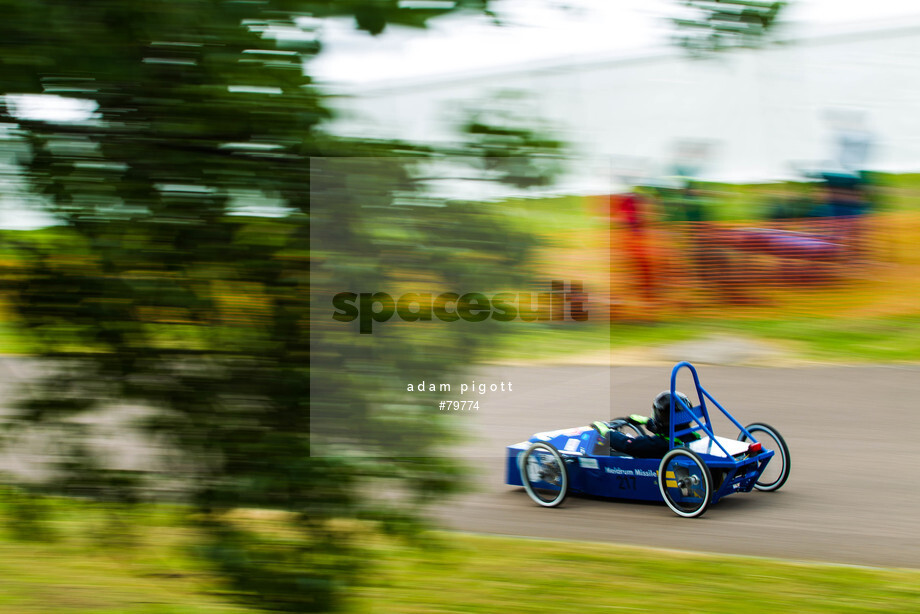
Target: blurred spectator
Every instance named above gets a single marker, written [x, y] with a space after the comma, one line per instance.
[631, 212]
[846, 202]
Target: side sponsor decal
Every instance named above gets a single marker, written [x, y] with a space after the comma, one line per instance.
[645, 473]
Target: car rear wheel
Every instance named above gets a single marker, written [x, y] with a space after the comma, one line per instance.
[776, 472]
[685, 483]
[544, 475]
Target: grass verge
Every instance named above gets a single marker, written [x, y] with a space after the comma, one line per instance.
[474, 573]
[144, 563]
[882, 340]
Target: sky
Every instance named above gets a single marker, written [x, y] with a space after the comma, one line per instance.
[532, 31]
[538, 30]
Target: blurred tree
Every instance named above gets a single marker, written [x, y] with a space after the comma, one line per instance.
[150, 291]
[513, 143]
[716, 25]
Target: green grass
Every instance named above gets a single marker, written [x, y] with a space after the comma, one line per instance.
[867, 320]
[43, 578]
[891, 192]
[537, 215]
[112, 560]
[470, 573]
[899, 192]
[871, 317]
[546, 343]
[883, 339]
[101, 559]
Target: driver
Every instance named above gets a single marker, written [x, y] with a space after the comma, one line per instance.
[655, 445]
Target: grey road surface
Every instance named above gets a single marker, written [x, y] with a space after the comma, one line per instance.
[853, 495]
[854, 435]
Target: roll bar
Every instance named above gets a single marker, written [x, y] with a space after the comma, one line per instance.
[698, 414]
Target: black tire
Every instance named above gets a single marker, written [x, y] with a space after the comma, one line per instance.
[685, 483]
[544, 475]
[773, 477]
[626, 427]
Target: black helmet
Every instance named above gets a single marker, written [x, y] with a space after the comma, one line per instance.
[662, 408]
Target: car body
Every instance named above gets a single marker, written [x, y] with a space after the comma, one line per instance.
[689, 477]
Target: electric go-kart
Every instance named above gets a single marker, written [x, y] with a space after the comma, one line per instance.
[689, 477]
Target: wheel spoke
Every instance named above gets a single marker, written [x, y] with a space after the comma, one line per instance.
[776, 472]
[544, 475]
[685, 483]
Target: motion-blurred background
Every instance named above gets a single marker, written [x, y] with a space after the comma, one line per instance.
[186, 186]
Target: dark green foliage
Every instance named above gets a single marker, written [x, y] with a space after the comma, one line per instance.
[511, 144]
[717, 25]
[28, 516]
[153, 294]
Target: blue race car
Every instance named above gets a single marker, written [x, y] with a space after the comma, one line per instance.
[698, 467]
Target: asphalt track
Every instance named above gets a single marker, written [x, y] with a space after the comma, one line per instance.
[853, 495]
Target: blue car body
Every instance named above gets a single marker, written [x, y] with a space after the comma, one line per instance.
[592, 468]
